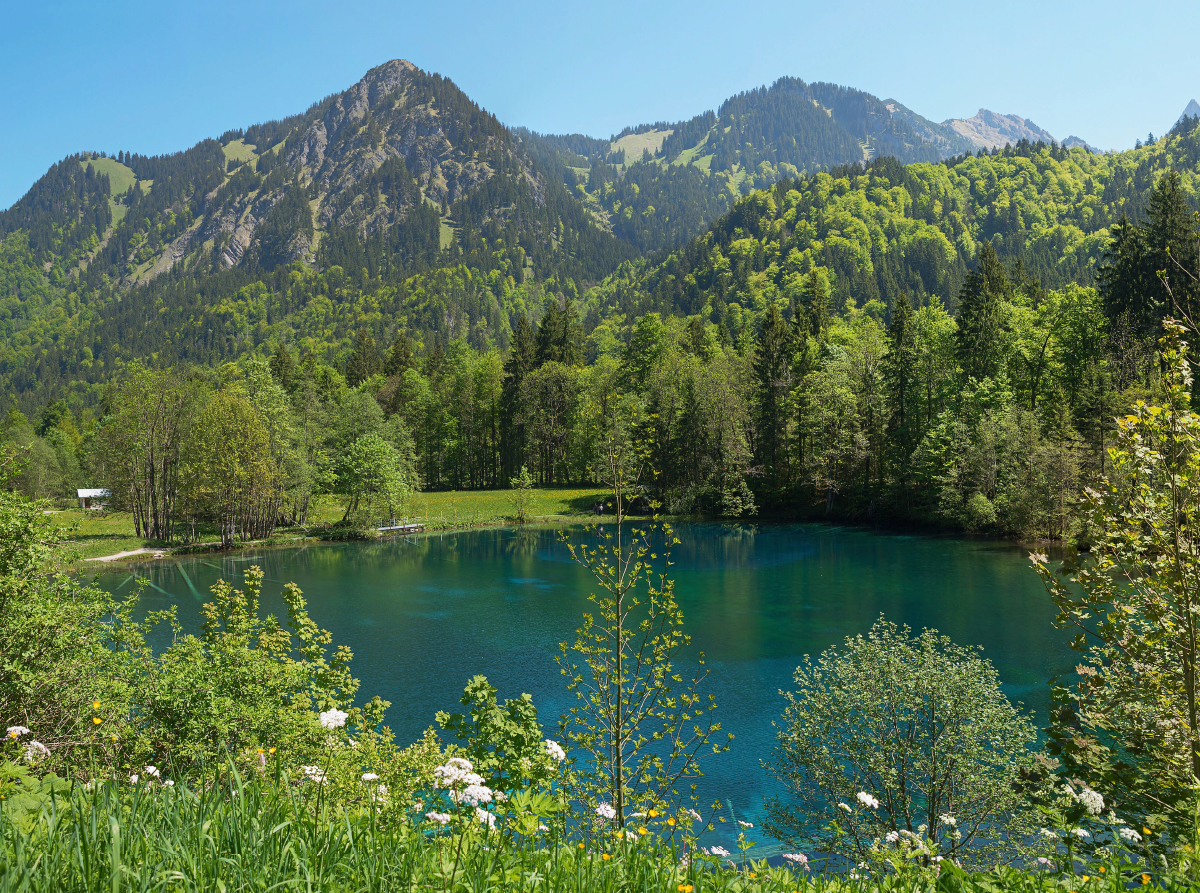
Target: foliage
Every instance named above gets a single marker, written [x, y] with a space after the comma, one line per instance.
[1129, 724]
[903, 735]
[522, 492]
[643, 725]
[504, 742]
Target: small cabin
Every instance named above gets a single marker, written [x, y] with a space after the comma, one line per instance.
[92, 499]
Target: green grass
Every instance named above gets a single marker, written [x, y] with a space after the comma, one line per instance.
[473, 508]
[238, 150]
[120, 178]
[94, 534]
[634, 143]
[255, 836]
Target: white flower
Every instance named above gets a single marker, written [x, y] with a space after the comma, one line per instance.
[486, 817]
[948, 820]
[168, 783]
[153, 771]
[1080, 833]
[745, 824]
[1130, 834]
[867, 800]
[17, 731]
[542, 827]
[333, 719]
[893, 837]
[719, 851]
[845, 807]
[1046, 832]
[694, 815]
[442, 818]
[456, 771]
[555, 750]
[35, 752]
[797, 859]
[370, 776]
[474, 794]
[1091, 800]
[606, 811]
[133, 779]
[314, 773]
[1044, 862]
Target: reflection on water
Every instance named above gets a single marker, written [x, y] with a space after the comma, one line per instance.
[424, 614]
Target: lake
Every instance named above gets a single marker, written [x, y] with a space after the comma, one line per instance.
[423, 614]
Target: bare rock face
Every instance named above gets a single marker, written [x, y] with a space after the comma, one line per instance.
[449, 147]
[989, 130]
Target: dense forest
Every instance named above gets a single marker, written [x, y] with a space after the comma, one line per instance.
[944, 340]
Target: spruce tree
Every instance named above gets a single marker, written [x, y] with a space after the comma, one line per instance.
[816, 303]
[520, 363]
[899, 373]
[364, 359]
[1171, 237]
[772, 374]
[400, 357]
[283, 368]
[981, 322]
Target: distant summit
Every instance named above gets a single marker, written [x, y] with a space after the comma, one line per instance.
[1072, 141]
[1192, 111]
[988, 129]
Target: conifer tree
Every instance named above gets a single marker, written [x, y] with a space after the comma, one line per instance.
[899, 373]
[283, 368]
[520, 363]
[772, 374]
[364, 360]
[981, 317]
[400, 357]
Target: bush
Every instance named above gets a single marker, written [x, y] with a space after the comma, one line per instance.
[901, 739]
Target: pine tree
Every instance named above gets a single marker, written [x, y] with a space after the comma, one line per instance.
[772, 373]
[520, 363]
[283, 368]
[899, 369]
[1171, 237]
[400, 358]
[981, 317]
[364, 360]
[816, 303]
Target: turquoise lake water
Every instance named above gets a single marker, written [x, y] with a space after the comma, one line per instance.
[424, 614]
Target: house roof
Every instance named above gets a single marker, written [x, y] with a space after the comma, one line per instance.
[85, 494]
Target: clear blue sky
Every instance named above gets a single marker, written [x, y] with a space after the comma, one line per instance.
[156, 77]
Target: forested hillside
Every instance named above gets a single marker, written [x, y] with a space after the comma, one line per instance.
[395, 247]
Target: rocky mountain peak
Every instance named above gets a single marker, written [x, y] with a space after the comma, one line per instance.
[988, 129]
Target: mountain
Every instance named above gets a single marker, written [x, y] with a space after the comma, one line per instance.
[399, 173]
[656, 185]
[399, 206]
[989, 130]
[1192, 111]
[1072, 142]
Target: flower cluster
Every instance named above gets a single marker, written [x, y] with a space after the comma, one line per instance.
[798, 859]
[314, 773]
[867, 800]
[554, 749]
[333, 719]
[606, 811]
[456, 771]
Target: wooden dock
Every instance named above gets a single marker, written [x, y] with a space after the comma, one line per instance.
[392, 525]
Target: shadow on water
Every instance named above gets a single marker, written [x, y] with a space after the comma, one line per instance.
[423, 614]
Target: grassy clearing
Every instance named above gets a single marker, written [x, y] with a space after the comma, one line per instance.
[239, 151]
[634, 143]
[94, 534]
[120, 178]
[473, 508]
